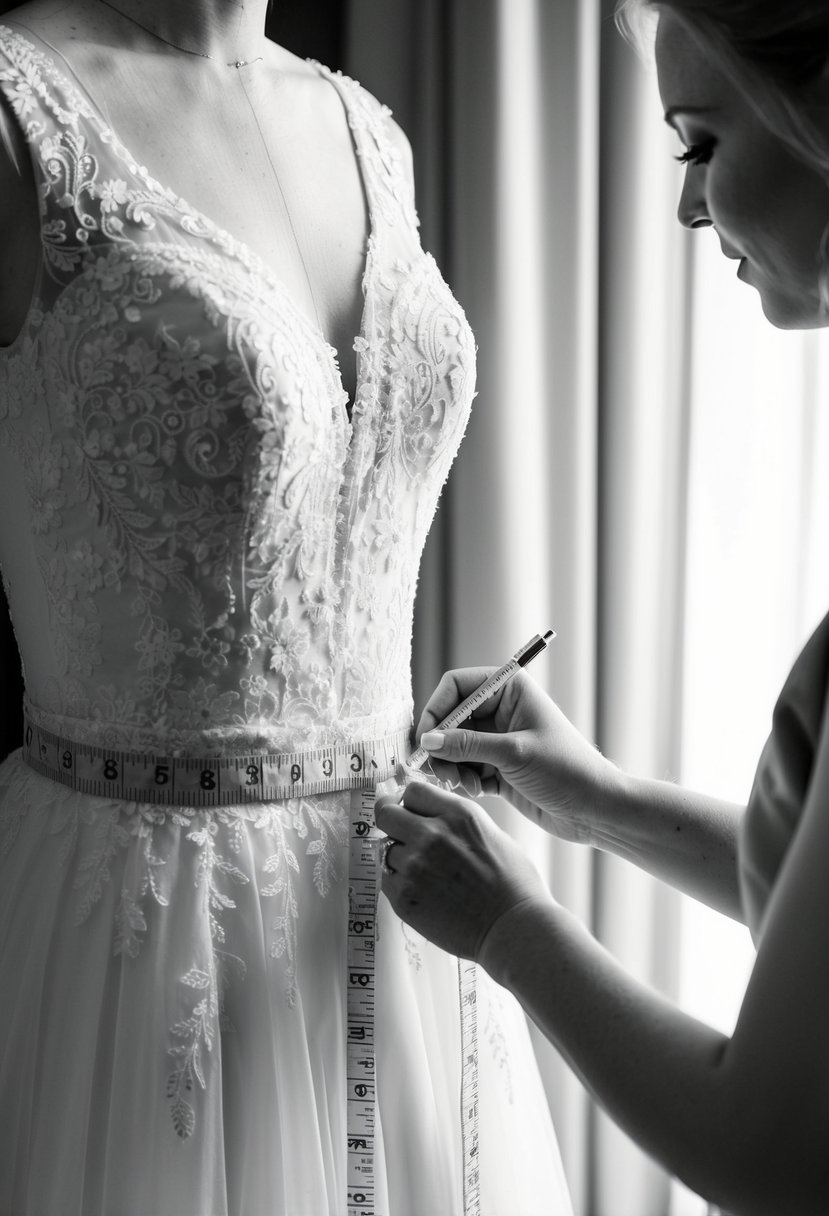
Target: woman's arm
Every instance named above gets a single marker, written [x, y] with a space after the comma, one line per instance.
[521, 746]
[684, 838]
[742, 1120]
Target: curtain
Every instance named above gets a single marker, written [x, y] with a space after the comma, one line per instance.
[546, 192]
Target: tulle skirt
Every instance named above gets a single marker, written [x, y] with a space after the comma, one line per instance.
[173, 1021]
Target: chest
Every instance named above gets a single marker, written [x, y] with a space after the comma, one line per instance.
[269, 160]
[245, 164]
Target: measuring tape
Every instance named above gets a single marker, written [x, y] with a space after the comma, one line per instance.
[361, 1095]
[363, 891]
[468, 992]
[214, 781]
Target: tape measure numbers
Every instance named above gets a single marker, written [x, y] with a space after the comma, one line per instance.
[361, 1061]
[212, 780]
[361, 1095]
[470, 1096]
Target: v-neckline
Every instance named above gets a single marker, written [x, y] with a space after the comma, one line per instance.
[248, 256]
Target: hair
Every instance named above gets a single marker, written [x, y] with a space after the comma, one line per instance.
[771, 50]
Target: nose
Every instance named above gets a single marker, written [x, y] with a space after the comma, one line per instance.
[692, 211]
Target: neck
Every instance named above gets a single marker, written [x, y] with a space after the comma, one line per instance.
[226, 30]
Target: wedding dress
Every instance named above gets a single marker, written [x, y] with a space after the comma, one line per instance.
[205, 556]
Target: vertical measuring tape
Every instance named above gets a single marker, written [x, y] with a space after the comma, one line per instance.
[361, 1095]
[468, 994]
[361, 1058]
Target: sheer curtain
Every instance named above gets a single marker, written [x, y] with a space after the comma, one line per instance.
[638, 472]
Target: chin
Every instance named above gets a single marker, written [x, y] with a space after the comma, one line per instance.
[788, 313]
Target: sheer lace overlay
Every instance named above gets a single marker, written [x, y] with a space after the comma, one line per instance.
[204, 555]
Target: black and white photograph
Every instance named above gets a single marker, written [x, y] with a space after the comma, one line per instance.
[414, 621]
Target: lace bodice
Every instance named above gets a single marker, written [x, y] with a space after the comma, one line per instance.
[196, 539]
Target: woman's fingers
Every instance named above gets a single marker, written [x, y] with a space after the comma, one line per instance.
[418, 798]
[392, 819]
[469, 746]
[451, 872]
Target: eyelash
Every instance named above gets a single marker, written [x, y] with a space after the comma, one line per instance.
[697, 154]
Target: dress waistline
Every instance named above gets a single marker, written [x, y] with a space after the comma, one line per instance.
[206, 781]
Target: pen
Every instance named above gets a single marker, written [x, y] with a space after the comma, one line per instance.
[484, 691]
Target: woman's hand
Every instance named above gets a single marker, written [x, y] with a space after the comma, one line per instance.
[450, 872]
[519, 745]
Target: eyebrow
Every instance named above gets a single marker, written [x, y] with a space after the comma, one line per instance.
[672, 111]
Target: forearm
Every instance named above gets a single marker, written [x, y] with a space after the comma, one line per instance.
[686, 839]
[653, 1068]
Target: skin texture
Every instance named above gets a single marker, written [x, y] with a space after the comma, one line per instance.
[524, 749]
[768, 207]
[742, 1119]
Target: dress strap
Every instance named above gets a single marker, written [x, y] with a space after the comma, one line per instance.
[43, 99]
[390, 189]
[66, 138]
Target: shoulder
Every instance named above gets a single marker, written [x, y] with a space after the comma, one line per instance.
[776, 1058]
[316, 79]
[377, 117]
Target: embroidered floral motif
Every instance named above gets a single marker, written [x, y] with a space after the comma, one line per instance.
[413, 943]
[493, 1031]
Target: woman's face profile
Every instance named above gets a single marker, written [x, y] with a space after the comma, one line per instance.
[768, 208]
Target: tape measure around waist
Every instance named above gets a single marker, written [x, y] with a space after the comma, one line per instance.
[206, 781]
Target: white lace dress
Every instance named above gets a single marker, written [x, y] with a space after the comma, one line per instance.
[204, 556]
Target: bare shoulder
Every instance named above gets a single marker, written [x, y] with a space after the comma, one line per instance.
[303, 72]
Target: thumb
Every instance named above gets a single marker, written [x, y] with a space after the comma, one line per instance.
[467, 746]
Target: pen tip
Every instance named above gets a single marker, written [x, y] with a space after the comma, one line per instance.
[549, 635]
